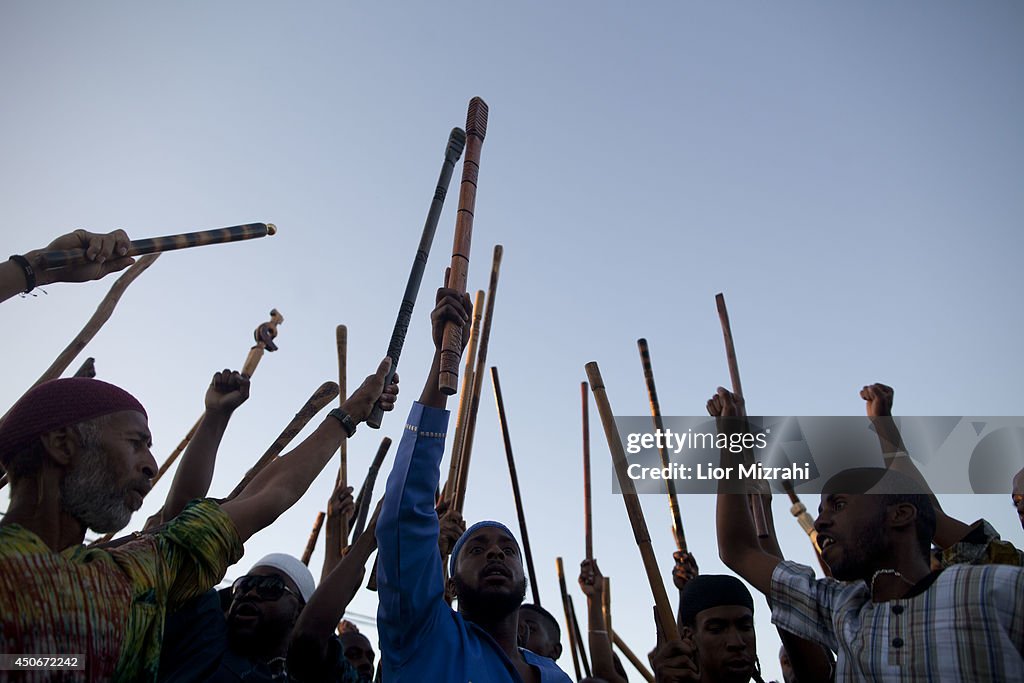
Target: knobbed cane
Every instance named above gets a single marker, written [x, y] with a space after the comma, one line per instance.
[451, 349]
[456, 142]
[155, 245]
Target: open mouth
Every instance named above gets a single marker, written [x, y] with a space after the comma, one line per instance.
[248, 610]
[496, 570]
[825, 542]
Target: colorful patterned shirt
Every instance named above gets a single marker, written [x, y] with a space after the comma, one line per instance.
[108, 605]
[982, 545]
[965, 623]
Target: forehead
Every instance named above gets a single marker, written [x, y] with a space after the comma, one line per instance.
[352, 640]
[126, 420]
[724, 613]
[490, 534]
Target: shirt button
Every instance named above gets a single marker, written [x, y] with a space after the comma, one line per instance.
[897, 609]
[897, 642]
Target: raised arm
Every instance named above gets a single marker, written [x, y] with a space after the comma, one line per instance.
[283, 481]
[104, 253]
[227, 391]
[738, 544]
[308, 651]
[409, 577]
[601, 660]
[878, 400]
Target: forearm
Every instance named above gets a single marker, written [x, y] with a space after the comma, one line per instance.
[325, 609]
[332, 544]
[770, 544]
[12, 280]
[431, 395]
[195, 471]
[601, 660]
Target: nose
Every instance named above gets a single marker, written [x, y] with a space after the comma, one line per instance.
[495, 552]
[148, 465]
[736, 641]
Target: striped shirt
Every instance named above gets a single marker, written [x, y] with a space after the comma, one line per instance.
[967, 625]
[108, 605]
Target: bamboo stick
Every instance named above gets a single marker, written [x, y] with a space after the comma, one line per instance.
[633, 659]
[313, 535]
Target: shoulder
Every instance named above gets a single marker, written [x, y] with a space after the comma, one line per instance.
[549, 670]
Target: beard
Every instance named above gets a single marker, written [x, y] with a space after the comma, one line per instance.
[489, 605]
[861, 557]
[90, 494]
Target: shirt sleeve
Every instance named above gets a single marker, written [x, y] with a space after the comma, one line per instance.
[410, 582]
[197, 547]
[803, 604]
[982, 545]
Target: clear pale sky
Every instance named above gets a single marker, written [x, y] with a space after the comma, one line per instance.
[849, 174]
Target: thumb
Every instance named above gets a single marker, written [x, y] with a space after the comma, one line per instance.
[384, 367]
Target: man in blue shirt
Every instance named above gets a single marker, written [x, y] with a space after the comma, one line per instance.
[421, 637]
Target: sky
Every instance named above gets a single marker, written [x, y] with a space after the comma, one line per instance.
[848, 174]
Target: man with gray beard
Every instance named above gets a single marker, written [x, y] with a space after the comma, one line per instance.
[78, 455]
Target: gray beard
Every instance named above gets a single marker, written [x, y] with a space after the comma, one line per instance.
[89, 494]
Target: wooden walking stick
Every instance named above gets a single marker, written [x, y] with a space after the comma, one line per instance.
[464, 396]
[568, 617]
[366, 493]
[760, 518]
[588, 520]
[320, 398]
[337, 523]
[313, 535]
[155, 245]
[478, 381]
[451, 350]
[87, 369]
[456, 141]
[606, 603]
[652, 395]
[98, 319]
[666, 617]
[264, 335]
[799, 510]
[520, 512]
[633, 659]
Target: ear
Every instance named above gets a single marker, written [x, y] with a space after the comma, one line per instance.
[449, 587]
[902, 515]
[686, 632]
[61, 445]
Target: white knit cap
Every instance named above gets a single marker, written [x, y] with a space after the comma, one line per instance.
[294, 569]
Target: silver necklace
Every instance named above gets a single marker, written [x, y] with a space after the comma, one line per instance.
[891, 572]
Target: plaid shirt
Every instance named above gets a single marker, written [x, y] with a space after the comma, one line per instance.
[968, 625]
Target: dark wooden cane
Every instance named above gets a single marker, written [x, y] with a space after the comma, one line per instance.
[584, 659]
[666, 618]
[340, 524]
[456, 142]
[760, 517]
[652, 395]
[631, 656]
[155, 245]
[87, 369]
[465, 399]
[451, 350]
[569, 631]
[588, 518]
[366, 492]
[313, 535]
[503, 422]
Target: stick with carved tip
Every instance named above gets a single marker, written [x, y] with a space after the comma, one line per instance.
[157, 245]
[456, 142]
[451, 350]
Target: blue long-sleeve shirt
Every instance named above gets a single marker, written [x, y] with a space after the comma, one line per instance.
[421, 637]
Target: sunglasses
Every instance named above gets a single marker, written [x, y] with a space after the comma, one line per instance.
[266, 587]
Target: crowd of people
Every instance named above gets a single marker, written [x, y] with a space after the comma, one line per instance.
[913, 594]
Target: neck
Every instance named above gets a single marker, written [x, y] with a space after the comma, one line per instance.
[262, 651]
[35, 505]
[504, 630]
[893, 579]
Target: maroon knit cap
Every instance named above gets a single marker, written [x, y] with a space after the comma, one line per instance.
[59, 403]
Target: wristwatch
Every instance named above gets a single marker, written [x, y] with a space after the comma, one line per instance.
[345, 419]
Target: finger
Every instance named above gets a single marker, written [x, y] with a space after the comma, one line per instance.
[117, 264]
[121, 242]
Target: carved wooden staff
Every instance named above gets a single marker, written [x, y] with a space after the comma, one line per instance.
[456, 141]
[633, 659]
[154, 245]
[464, 396]
[568, 617]
[326, 393]
[799, 510]
[264, 335]
[366, 492]
[478, 383]
[588, 519]
[451, 350]
[313, 535]
[652, 395]
[760, 518]
[503, 422]
[666, 618]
